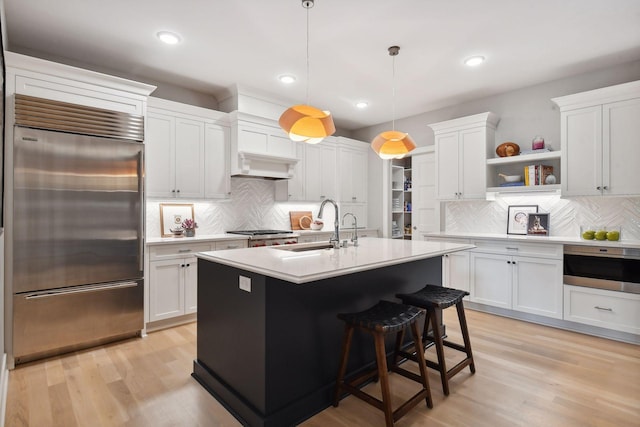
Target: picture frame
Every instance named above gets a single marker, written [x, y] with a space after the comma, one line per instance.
[172, 215]
[517, 218]
[538, 224]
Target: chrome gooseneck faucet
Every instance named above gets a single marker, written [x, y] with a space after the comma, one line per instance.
[335, 239]
[354, 239]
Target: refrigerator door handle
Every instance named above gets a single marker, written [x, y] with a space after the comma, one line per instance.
[80, 289]
[142, 209]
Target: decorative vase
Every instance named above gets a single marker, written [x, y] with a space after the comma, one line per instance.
[189, 232]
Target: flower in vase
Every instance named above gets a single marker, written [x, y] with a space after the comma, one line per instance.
[189, 224]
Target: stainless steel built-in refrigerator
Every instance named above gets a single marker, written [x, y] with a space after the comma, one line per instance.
[77, 244]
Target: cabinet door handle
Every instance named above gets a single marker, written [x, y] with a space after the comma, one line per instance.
[508, 262]
[177, 191]
[511, 248]
[603, 308]
[188, 265]
[598, 188]
[184, 250]
[513, 262]
[605, 188]
[173, 191]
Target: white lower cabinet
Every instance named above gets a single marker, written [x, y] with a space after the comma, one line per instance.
[529, 284]
[455, 271]
[173, 288]
[537, 286]
[598, 307]
[491, 278]
[173, 277]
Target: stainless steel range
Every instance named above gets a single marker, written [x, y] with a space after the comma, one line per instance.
[259, 238]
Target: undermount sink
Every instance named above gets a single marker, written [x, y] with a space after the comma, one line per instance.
[303, 247]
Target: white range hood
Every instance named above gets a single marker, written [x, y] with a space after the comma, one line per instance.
[260, 148]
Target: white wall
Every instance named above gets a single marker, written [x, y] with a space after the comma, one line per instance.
[524, 113]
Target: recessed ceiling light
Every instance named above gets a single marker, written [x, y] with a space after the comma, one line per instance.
[168, 38]
[362, 104]
[474, 61]
[287, 79]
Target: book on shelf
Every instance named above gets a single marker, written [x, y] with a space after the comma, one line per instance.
[537, 174]
[512, 184]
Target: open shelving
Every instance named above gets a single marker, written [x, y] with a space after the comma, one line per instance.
[514, 165]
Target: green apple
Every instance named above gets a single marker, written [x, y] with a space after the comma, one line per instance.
[588, 234]
[601, 235]
[613, 235]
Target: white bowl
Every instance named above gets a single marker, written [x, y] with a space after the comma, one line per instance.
[511, 178]
[315, 226]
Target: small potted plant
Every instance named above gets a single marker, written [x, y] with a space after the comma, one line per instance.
[189, 227]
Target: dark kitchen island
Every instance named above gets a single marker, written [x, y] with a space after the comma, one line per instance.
[270, 352]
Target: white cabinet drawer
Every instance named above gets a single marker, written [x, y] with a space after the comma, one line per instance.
[543, 250]
[607, 309]
[177, 250]
[230, 244]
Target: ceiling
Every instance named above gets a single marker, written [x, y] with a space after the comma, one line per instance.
[252, 42]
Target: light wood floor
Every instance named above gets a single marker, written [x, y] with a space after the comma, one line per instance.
[527, 375]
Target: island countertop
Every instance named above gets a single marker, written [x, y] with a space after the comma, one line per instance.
[311, 265]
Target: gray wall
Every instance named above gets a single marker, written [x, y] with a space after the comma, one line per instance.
[524, 113]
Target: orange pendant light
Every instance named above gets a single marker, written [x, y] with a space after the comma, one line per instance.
[305, 123]
[392, 144]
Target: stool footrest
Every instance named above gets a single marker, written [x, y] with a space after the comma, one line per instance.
[364, 396]
[406, 374]
[459, 367]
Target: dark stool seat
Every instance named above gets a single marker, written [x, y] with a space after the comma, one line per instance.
[383, 318]
[434, 298]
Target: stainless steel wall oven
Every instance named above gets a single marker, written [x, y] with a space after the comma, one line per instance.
[602, 267]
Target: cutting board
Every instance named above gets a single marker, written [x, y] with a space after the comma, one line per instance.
[295, 217]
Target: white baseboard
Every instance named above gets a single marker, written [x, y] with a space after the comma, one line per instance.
[4, 386]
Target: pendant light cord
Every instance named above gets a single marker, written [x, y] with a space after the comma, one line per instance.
[307, 91]
[393, 94]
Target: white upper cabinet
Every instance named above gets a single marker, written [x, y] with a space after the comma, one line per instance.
[217, 184]
[462, 146]
[600, 130]
[352, 161]
[320, 170]
[189, 158]
[186, 152]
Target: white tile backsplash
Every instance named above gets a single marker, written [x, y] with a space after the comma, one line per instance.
[252, 205]
[566, 214]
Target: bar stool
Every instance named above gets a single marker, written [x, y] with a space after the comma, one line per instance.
[383, 318]
[437, 297]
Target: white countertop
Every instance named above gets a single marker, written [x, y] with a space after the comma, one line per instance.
[196, 239]
[308, 266]
[536, 239]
